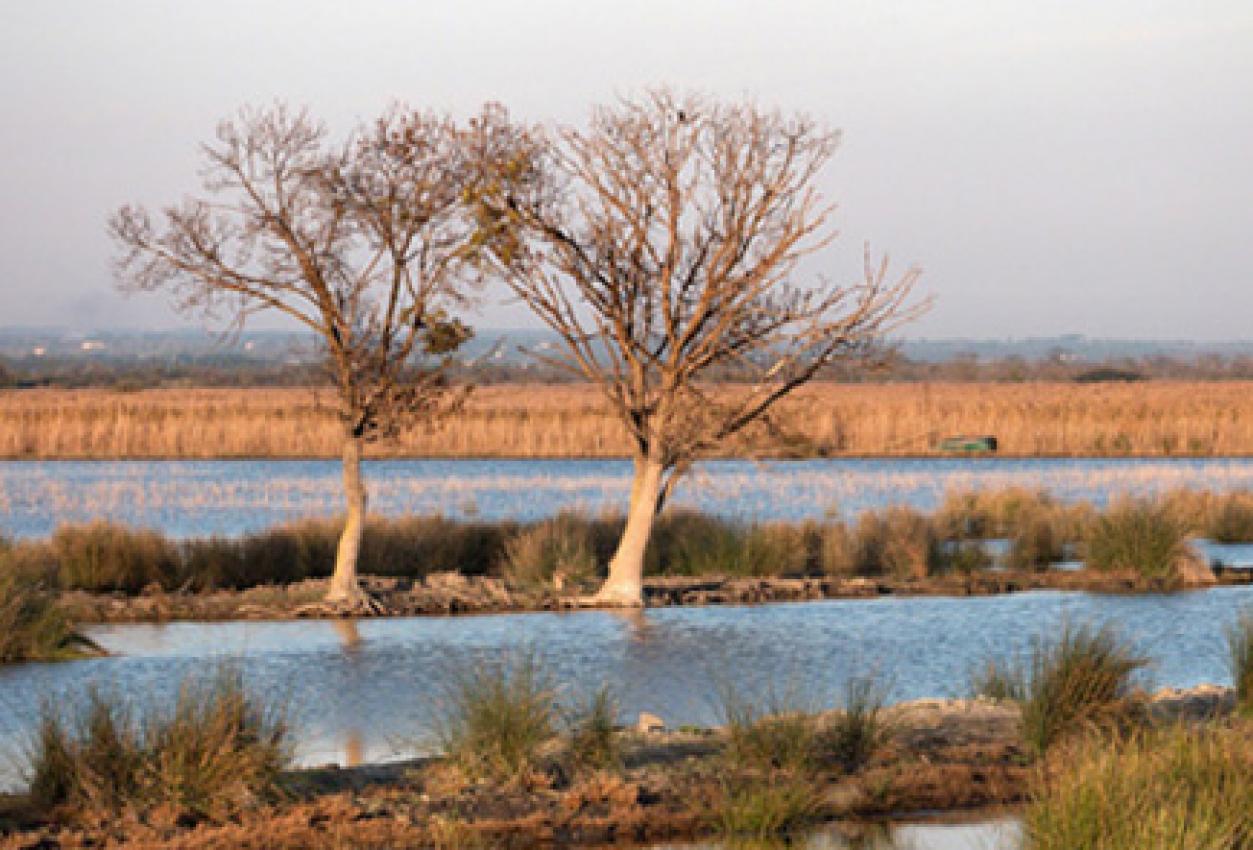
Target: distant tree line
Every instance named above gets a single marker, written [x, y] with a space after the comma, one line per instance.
[128, 374]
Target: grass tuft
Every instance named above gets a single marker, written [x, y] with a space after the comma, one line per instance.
[554, 551]
[32, 628]
[216, 751]
[777, 733]
[591, 730]
[497, 716]
[1140, 537]
[855, 733]
[763, 810]
[1182, 788]
[1078, 680]
[1230, 518]
[104, 557]
[1240, 659]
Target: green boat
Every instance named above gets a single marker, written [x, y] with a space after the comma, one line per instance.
[968, 445]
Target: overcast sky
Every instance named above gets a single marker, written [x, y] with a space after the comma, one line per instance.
[1054, 167]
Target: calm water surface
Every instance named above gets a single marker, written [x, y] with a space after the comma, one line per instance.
[991, 835]
[369, 689]
[186, 498]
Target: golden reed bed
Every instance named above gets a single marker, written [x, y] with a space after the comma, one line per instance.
[1061, 419]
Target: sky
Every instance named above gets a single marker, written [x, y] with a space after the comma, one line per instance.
[1054, 167]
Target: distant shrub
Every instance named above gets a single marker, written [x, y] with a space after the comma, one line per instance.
[961, 556]
[898, 542]
[1137, 536]
[837, 550]
[561, 546]
[984, 514]
[1038, 541]
[417, 546]
[214, 563]
[694, 544]
[102, 556]
[1230, 518]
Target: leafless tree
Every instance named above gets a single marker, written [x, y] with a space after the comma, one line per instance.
[664, 253]
[364, 243]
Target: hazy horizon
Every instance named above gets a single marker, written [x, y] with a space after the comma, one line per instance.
[1069, 168]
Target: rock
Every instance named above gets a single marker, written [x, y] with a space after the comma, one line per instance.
[1199, 703]
[649, 723]
[447, 581]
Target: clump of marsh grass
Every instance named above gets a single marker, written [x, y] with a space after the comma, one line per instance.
[1002, 680]
[1077, 680]
[898, 542]
[852, 736]
[1230, 518]
[775, 732]
[1185, 788]
[981, 514]
[1240, 659]
[103, 556]
[216, 751]
[497, 716]
[689, 543]
[963, 556]
[764, 810]
[772, 753]
[32, 627]
[591, 732]
[786, 734]
[556, 550]
[1137, 536]
[1037, 542]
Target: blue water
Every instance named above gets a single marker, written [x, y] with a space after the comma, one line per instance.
[1003, 834]
[189, 498]
[375, 685]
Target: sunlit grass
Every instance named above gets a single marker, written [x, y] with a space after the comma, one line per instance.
[1076, 680]
[1181, 788]
[216, 751]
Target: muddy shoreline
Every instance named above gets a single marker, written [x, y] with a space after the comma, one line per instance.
[445, 594]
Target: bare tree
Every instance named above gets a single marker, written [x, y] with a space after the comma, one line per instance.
[362, 243]
[663, 254]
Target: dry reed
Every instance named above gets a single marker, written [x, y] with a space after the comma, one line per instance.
[1160, 418]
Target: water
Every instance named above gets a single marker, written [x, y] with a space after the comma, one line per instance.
[370, 689]
[188, 498]
[1002, 834]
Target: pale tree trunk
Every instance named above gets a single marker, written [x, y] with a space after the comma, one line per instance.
[625, 584]
[344, 586]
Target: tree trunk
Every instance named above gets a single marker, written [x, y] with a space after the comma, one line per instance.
[625, 584]
[344, 586]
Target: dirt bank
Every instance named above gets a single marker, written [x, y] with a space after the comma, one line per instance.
[452, 593]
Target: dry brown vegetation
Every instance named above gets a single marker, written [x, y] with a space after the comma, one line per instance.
[1157, 418]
